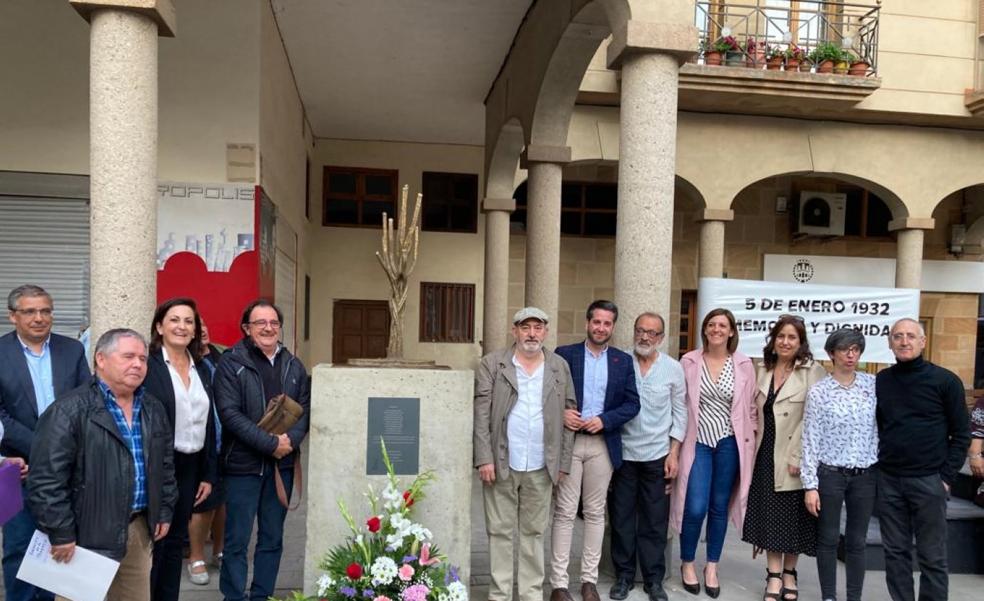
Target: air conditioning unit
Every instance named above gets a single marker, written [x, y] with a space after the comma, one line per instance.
[821, 213]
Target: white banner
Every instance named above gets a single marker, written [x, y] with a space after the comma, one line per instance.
[824, 308]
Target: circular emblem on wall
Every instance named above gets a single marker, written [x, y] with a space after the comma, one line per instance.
[803, 270]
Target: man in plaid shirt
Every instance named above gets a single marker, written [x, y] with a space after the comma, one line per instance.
[102, 472]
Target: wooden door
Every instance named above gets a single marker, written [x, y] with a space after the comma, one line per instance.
[360, 330]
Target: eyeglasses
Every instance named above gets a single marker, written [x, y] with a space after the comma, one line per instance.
[263, 323]
[650, 333]
[793, 317]
[33, 312]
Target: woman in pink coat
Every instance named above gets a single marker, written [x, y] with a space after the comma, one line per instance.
[718, 450]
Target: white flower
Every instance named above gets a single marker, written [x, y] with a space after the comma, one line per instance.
[392, 496]
[358, 539]
[383, 571]
[324, 583]
[457, 591]
[420, 533]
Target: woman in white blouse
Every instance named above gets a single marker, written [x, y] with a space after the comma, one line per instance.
[840, 448]
[180, 380]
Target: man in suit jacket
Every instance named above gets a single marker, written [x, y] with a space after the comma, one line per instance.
[35, 367]
[522, 449]
[604, 379]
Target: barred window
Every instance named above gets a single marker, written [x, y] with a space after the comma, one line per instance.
[447, 312]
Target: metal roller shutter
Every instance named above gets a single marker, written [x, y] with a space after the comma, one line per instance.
[45, 241]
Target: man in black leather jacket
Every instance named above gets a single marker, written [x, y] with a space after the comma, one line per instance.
[252, 372]
[102, 473]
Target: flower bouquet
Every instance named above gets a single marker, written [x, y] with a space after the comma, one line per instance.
[389, 557]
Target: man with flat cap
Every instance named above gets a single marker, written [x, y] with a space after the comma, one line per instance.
[522, 449]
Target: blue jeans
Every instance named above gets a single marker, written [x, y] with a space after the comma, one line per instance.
[248, 499]
[712, 476]
[17, 535]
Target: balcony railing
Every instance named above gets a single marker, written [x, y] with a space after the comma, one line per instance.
[773, 34]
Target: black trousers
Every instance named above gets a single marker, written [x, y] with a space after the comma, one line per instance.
[907, 506]
[857, 493]
[639, 512]
[165, 572]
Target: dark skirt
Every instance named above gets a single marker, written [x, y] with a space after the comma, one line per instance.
[214, 500]
[776, 521]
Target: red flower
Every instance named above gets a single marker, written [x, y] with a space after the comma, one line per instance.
[354, 571]
[373, 524]
[407, 498]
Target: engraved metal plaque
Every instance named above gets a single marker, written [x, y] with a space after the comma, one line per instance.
[397, 422]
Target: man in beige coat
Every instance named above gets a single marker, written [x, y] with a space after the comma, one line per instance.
[521, 449]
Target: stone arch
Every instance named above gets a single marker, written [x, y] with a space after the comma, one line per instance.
[690, 191]
[504, 160]
[565, 70]
[894, 202]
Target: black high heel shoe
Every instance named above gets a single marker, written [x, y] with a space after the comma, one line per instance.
[693, 589]
[767, 595]
[790, 591]
[712, 591]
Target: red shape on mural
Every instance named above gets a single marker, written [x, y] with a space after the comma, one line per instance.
[221, 296]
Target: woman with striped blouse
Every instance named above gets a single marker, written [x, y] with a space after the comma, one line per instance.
[718, 449]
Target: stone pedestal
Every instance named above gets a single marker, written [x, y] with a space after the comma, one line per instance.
[337, 455]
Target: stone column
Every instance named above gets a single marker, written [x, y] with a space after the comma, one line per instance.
[711, 257]
[123, 158]
[908, 259]
[495, 321]
[649, 55]
[546, 169]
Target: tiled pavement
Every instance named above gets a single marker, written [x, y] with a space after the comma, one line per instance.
[741, 577]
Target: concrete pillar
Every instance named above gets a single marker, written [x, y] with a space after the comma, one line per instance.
[908, 258]
[123, 158]
[495, 320]
[711, 256]
[546, 167]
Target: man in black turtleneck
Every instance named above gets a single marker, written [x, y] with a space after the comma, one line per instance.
[923, 433]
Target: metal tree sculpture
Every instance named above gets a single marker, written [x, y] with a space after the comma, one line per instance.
[398, 259]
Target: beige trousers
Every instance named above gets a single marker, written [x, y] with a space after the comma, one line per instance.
[523, 498]
[591, 471]
[132, 581]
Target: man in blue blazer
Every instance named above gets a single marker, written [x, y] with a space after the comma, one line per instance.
[604, 380]
[35, 367]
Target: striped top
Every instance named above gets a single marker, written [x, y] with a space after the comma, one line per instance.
[714, 422]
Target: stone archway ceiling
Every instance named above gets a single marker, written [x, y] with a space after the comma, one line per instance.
[409, 70]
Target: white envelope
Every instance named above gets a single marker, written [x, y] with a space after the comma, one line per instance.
[86, 578]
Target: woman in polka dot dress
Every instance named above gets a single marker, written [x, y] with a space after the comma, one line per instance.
[777, 520]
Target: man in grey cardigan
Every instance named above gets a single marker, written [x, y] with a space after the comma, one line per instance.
[522, 449]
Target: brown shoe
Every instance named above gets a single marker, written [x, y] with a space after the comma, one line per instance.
[589, 592]
[560, 594]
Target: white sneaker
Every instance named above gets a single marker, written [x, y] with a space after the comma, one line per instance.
[197, 577]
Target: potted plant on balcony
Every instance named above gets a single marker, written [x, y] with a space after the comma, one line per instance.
[712, 57]
[843, 62]
[859, 67]
[755, 51]
[733, 56]
[774, 57]
[824, 56]
[796, 58]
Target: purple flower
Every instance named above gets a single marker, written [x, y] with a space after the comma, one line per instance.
[453, 574]
[348, 591]
[369, 593]
[409, 558]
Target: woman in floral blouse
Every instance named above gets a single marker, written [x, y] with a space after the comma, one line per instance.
[840, 448]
